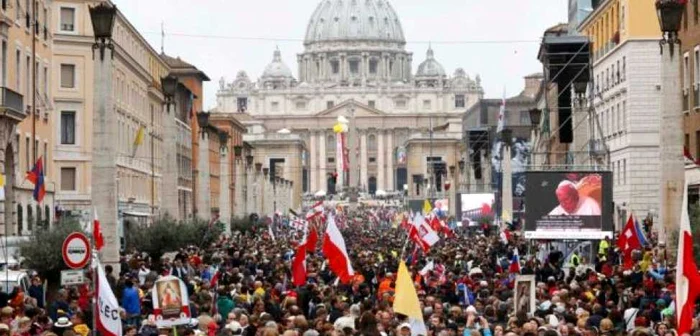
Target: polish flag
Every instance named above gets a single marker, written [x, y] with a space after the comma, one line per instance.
[98, 238]
[334, 249]
[422, 233]
[315, 211]
[687, 276]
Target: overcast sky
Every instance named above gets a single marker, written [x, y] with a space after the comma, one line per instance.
[495, 39]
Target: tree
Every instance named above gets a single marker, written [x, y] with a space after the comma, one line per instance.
[42, 252]
[168, 235]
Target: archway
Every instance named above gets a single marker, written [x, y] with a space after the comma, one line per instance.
[9, 188]
[372, 185]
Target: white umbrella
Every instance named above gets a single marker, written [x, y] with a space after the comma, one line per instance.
[320, 193]
[343, 120]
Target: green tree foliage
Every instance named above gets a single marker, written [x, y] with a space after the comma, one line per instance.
[694, 213]
[42, 252]
[168, 235]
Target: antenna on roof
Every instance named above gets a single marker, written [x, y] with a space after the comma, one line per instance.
[162, 37]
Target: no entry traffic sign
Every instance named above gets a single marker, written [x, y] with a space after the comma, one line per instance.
[76, 250]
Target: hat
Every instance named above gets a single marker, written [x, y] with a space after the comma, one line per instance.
[63, 322]
[4, 326]
[405, 325]
[234, 326]
[7, 310]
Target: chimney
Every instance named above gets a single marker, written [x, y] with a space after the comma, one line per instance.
[532, 84]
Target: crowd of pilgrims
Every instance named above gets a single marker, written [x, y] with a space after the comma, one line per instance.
[241, 285]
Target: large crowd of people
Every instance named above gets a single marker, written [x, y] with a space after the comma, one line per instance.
[242, 285]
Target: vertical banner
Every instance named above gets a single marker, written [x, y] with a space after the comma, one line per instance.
[171, 305]
[339, 158]
[108, 321]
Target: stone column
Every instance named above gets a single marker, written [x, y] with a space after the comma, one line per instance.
[103, 192]
[322, 185]
[302, 68]
[169, 168]
[313, 168]
[203, 178]
[380, 161]
[225, 190]
[672, 174]
[239, 200]
[250, 190]
[408, 67]
[363, 160]
[390, 160]
[342, 60]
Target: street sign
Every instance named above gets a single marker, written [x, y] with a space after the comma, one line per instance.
[76, 250]
[72, 277]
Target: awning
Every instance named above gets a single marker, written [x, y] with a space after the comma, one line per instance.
[136, 214]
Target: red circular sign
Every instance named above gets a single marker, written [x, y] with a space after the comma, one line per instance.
[76, 250]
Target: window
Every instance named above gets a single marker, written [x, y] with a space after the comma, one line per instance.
[301, 105]
[371, 104]
[331, 160]
[46, 82]
[68, 76]
[696, 11]
[624, 171]
[619, 117]
[686, 141]
[525, 118]
[624, 68]
[459, 101]
[373, 66]
[242, 103]
[46, 159]
[427, 105]
[29, 75]
[27, 151]
[335, 67]
[68, 127]
[400, 103]
[697, 144]
[617, 74]
[3, 79]
[330, 104]
[68, 178]
[372, 160]
[686, 72]
[274, 106]
[18, 71]
[622, 18]
[354, 66]
[67, 19]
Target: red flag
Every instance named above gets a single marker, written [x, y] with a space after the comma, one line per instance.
[434, 223]
[215, 279]
[97, 233]
[299, 266]
[36, 176]
[687, 276]
[628, 242]
[312, 239]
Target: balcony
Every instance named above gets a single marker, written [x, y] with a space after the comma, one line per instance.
[12, 104]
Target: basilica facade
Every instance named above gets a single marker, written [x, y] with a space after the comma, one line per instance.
[354, 63]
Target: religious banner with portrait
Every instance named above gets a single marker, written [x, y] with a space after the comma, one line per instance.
[171, 305]
[524, 299]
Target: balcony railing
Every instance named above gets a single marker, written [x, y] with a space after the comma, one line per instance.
[11, 100]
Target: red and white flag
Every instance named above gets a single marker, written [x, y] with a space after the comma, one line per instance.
[422, 233]
[108, 321]
[315, 211]
[628, 241]
[299, 264]
[687, 276]
[311, 239]
[97, 236]
[334, 249]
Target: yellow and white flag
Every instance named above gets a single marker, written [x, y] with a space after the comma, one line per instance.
[406, 301]
[138, 141]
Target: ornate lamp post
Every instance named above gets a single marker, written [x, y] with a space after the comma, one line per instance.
[672, 171]
[102, 17]
[169, 86]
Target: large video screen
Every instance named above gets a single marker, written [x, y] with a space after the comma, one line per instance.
[475, 207]
[568, 205]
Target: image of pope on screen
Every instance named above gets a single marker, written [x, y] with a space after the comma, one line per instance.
[574, 201]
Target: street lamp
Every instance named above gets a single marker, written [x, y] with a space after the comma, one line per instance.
[238, 151]
[670, 13]
[203, 119]
[169, 86]
[223, 140]
[507, 136]
[102, 17]
[535, 117]
[462, 165]
[249, 160]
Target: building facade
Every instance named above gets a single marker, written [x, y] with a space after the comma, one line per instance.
[626, 99]
[31, 20]
[354, 62]
[690, 84]
[137, 102]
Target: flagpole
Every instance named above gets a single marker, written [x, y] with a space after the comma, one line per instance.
[94, 265]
